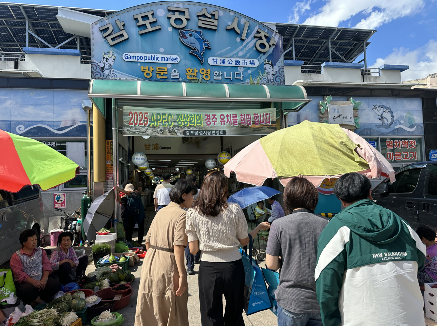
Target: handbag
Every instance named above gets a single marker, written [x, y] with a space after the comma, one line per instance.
[256, 297]
[272, 280]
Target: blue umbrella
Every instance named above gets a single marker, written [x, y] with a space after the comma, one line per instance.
[252, 195]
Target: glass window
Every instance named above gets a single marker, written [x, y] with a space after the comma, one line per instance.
[431, 188]
[80, 181]
[406, 181]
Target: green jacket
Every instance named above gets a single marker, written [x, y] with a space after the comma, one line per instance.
[367, 264]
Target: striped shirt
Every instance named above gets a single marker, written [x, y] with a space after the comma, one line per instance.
[294, 237]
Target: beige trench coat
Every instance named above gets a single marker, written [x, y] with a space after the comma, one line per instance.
[157, 303]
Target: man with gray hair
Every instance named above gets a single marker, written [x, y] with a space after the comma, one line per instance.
[367, 263]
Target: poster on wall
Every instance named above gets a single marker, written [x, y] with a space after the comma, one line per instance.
[197, 123]
[60, 200]
[378, 116]
[43, 112]
[186, 42]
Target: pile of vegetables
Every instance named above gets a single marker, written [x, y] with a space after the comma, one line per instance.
[103, 230]
[40, 318]
[101, 249]
[92, 299]
[47, 317]
[121, 277]
[121, 247]
[105, 317]
[68, 318]
[78, 303]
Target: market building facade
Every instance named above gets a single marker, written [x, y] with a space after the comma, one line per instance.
[183, 82]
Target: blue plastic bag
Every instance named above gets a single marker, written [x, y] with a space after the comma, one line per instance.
[256, 297]
[71, 287]
[272, 280]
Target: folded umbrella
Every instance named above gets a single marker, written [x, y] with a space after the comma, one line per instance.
[313, 150]
[99, 213]
[25, 161]
[252, 195]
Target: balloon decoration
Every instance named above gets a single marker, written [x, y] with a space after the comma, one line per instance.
[139, 159]
[210, 163]
[149, 171]
[189, 171]
[144, 166]
[224, 157]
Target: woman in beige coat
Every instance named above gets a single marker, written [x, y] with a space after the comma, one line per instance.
[163, 294]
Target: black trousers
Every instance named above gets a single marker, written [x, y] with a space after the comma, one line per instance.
[67, 274]
[129, 229]
[28, 293]
[216, 280]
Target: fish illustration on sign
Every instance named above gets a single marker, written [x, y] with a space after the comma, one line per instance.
[385, 114]
[195, 41]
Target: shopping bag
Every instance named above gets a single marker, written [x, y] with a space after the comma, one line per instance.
[7, 285]
[256, 297]
[272, 280]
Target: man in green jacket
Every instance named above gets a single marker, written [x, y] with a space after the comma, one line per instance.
[367, 263]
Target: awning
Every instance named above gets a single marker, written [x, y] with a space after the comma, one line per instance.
[291, 97]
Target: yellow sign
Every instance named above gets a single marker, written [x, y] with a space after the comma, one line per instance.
[189, 171]
[223, 157]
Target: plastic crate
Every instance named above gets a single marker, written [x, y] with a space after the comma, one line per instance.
[82, 315]
[124, 265]
[78, 322]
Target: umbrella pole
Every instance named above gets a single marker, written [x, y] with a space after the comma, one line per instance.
[115, 160]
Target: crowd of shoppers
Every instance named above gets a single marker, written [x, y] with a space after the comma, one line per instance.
[363, 267]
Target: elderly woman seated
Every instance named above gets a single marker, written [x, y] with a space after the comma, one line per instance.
[64, 261]
[32, 271]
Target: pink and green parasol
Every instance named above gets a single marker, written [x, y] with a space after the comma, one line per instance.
[310, 149]
[25, 161]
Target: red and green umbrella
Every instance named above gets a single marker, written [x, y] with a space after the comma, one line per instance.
[25, 161]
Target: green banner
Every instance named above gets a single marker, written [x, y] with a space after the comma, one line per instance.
[197, 123]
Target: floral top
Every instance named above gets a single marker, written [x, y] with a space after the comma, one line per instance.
[18, 268]
[60, 255]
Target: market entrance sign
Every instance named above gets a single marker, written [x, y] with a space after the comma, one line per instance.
[186, 42]
[197, 123]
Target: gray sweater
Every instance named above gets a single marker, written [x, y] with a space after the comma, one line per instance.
[294, 237]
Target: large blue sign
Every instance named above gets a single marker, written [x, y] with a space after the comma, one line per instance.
[186, 42]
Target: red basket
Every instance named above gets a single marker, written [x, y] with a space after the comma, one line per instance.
[103, 233]
[121, 291]
[124, 301]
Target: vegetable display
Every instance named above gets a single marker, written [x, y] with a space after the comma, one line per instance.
[91, 299]
[105, 317]
[78, 304]
[68, 318]
[40, 318]
[121, 247]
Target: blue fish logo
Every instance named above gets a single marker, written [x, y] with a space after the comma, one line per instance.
[195, 41]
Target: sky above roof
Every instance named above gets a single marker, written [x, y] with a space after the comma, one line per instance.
[406, 29]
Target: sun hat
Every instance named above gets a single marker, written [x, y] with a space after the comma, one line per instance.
[129, 187]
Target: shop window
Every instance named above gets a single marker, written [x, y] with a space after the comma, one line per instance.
[80, 181]
[406, 182]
